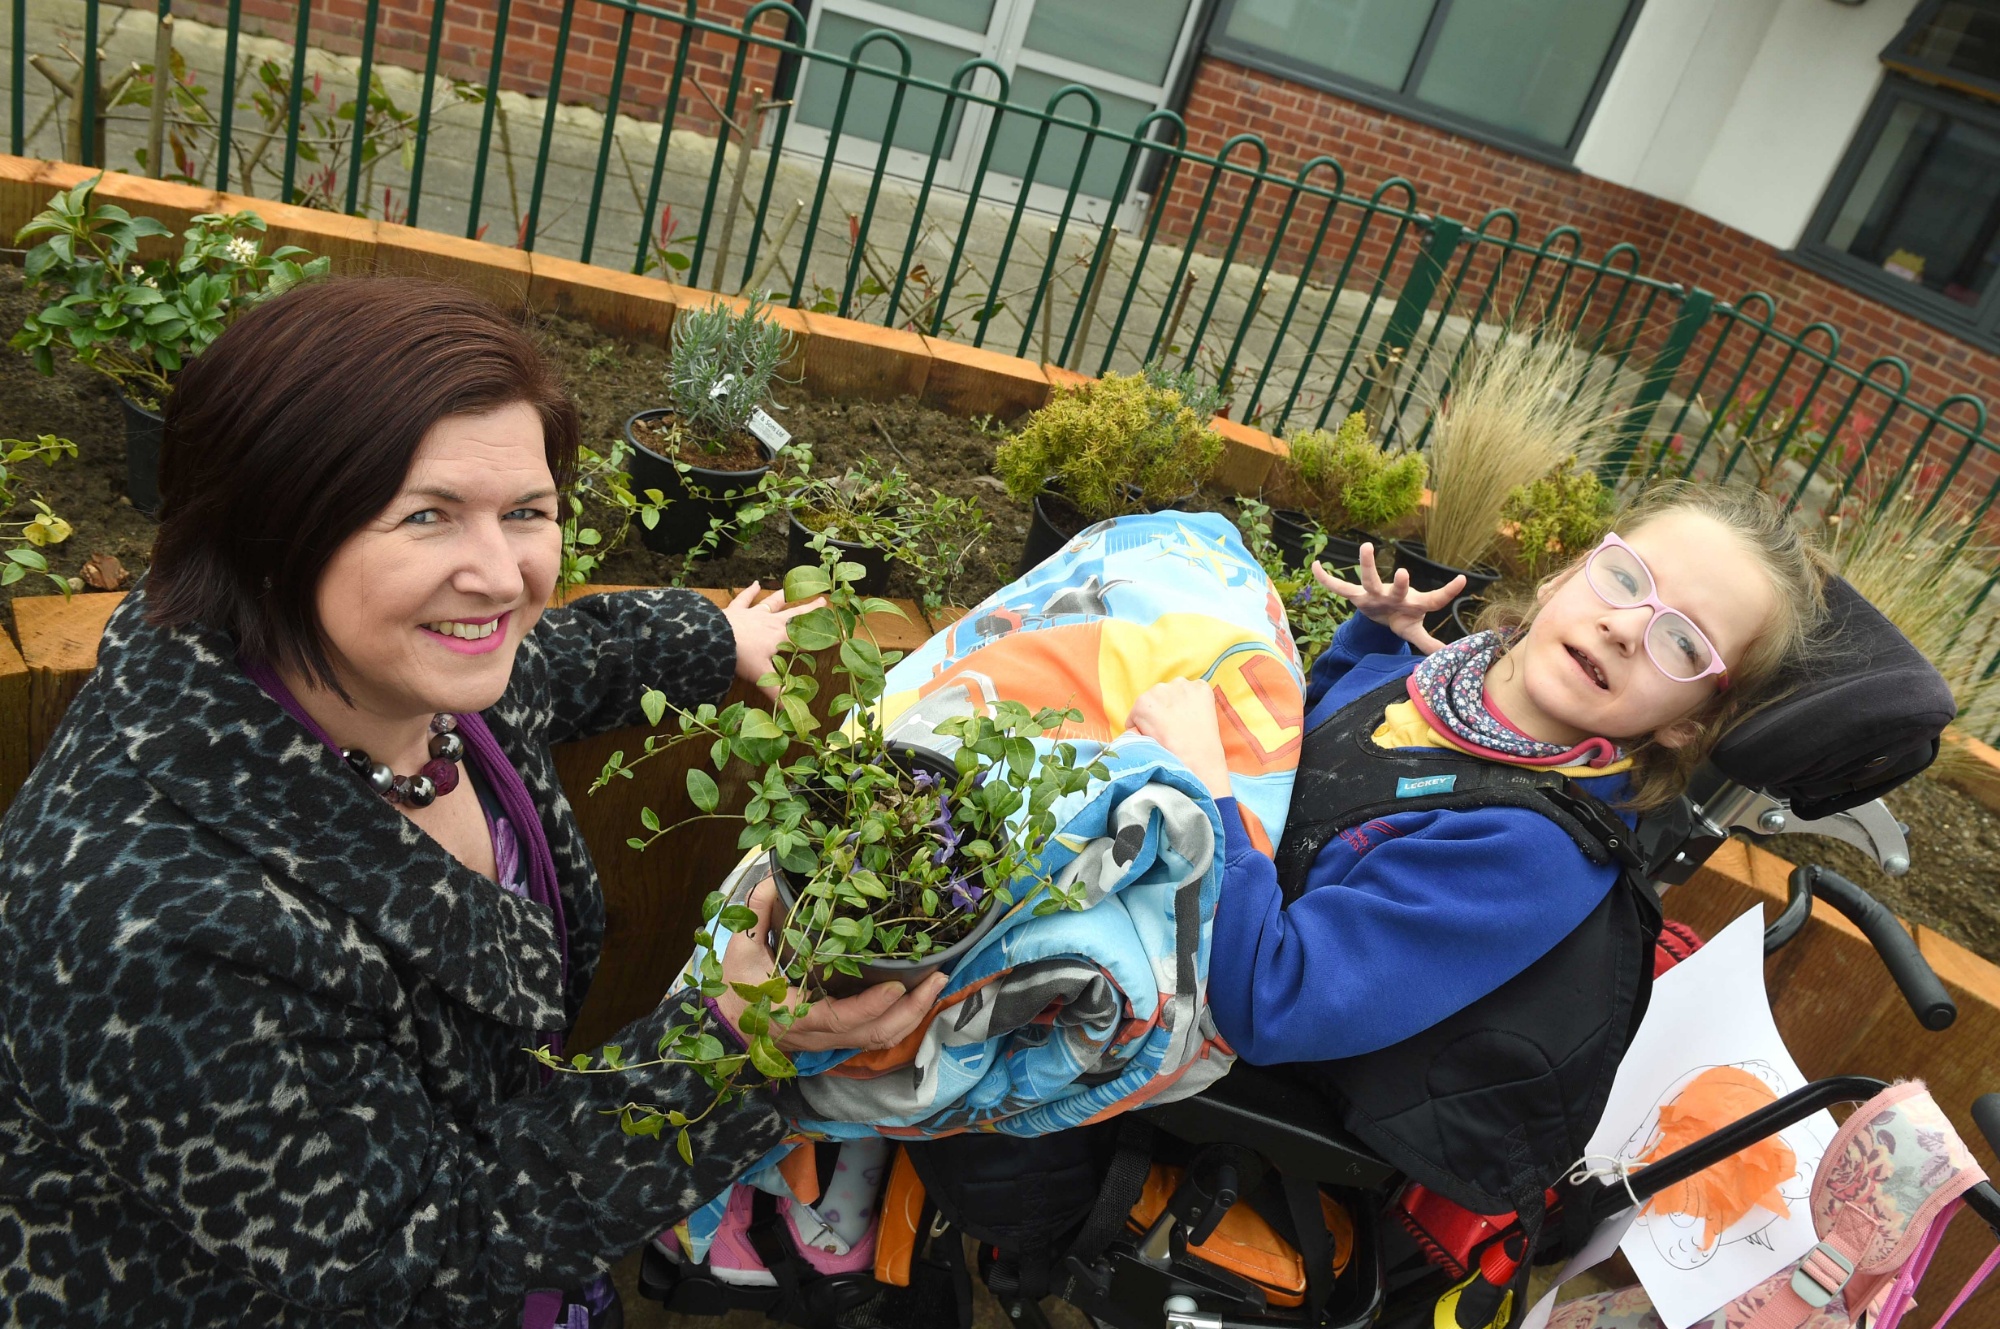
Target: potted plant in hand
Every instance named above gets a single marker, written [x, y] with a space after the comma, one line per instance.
[1520, 409]
[875, 518]
[1111, 446]
[138, 322]
[891, 861]
[698, 459]
[1345, 487]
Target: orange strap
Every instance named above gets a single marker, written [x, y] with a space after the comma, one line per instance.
[896, 1234]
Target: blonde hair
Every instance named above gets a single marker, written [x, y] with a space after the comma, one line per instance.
[1798, 570]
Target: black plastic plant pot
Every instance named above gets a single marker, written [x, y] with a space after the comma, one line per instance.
[142, 454]
[1057, 521]
[1428, 575]
[799, 553]
[1291, 532]
[693, 500]
[1458, 620]
[907, 972]
[1055, 524]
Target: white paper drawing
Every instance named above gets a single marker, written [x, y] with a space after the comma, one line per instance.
[1710, 1010]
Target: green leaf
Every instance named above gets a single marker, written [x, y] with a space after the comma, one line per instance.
[758, 724]
[685, 1145]
[650, 820]
[738, 918]
[614, 1056]
[766, 1057]
[581, 1061]
[803, 583]
[654, 703]
[701, 789]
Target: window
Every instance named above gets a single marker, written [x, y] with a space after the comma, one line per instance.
[1913, 214]
[1525, 72]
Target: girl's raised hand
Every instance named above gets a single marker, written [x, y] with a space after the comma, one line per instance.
[1394, 605]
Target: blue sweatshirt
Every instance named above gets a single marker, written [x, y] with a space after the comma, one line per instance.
[1404, 920]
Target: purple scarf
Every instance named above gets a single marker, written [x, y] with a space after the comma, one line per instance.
[500, 776]
[1449, 690]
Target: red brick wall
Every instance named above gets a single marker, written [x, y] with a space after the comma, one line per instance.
[1464, 179]
[402, 37]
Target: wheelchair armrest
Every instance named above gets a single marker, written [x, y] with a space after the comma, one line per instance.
[1288, 1122]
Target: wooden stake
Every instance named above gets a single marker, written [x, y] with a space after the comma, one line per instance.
[1090, 301]
[163, 83]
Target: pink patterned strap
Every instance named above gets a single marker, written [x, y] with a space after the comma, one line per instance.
[1822, 1275]
[1901, 1294]
[1979, 1276]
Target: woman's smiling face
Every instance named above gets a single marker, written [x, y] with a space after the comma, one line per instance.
[1582, 669]
[425, 605]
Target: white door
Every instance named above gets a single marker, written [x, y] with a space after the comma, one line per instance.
[1127, 52]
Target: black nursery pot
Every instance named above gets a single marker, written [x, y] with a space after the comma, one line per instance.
[142, 454]
[799, 553]
[1291, 530]
[1428, 575]
[693, 500]
[907, 972]
[1458, 622]
[1057, 521]
[1055, 524]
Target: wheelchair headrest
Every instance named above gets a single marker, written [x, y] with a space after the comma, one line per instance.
[1862, 716]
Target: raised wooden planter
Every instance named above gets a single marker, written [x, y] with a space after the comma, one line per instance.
[837, 357]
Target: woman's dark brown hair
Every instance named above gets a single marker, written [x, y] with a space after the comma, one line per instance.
[299, 424]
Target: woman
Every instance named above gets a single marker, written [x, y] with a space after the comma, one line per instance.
[295, 884]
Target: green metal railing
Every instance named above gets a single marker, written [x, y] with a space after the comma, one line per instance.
[1317, 299]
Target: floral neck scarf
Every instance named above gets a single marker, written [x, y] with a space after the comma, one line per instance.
[1449, 690]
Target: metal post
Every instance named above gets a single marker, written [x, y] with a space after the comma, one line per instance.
[297, 95]
[1696, 307]
[228, 112]
[163, 84]
[86, 95]
[1412, 304]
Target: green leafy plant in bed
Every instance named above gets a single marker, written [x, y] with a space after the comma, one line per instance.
[890, 861]
[1109, 446]
[720, 371]
[138, 321]
[1313, 612]
[934, 535]
[22, 541]
[1344, 480]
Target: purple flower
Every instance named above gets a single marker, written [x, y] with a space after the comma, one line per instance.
[948, 835]
[963, 893]
[923, 780]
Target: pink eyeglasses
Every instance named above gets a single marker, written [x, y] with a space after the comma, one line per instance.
[1676, 646]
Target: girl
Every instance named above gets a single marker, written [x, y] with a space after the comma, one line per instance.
[1621, 674]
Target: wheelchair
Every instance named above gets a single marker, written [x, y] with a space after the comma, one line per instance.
[1260, 1152]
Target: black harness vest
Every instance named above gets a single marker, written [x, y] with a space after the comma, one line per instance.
[1491, 1105]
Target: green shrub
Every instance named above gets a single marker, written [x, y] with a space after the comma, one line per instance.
[1343, 480]
[1560, 515]
[1098, 442]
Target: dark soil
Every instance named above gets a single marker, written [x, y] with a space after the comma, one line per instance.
[1953, 884]
[739, 453]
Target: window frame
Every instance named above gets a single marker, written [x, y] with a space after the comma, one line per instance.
[1403, 101]
[1980, 323]
[1895, 58]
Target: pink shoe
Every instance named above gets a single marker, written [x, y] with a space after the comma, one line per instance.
[731, 1257]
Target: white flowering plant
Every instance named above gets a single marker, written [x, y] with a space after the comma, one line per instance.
[135, 320]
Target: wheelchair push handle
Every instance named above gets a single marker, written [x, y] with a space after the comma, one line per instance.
[1928, 1000]
[1986, 1116]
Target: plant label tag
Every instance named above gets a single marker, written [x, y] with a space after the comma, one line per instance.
[772, 434]
[720, 391]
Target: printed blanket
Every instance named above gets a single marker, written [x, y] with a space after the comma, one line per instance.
[1075, 1016]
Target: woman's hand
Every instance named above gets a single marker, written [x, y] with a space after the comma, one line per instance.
[760, 630]
[881, 1017]
[1395, 606]
[1179, 715]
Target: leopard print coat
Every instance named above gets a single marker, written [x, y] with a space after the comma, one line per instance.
[263, 1036]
